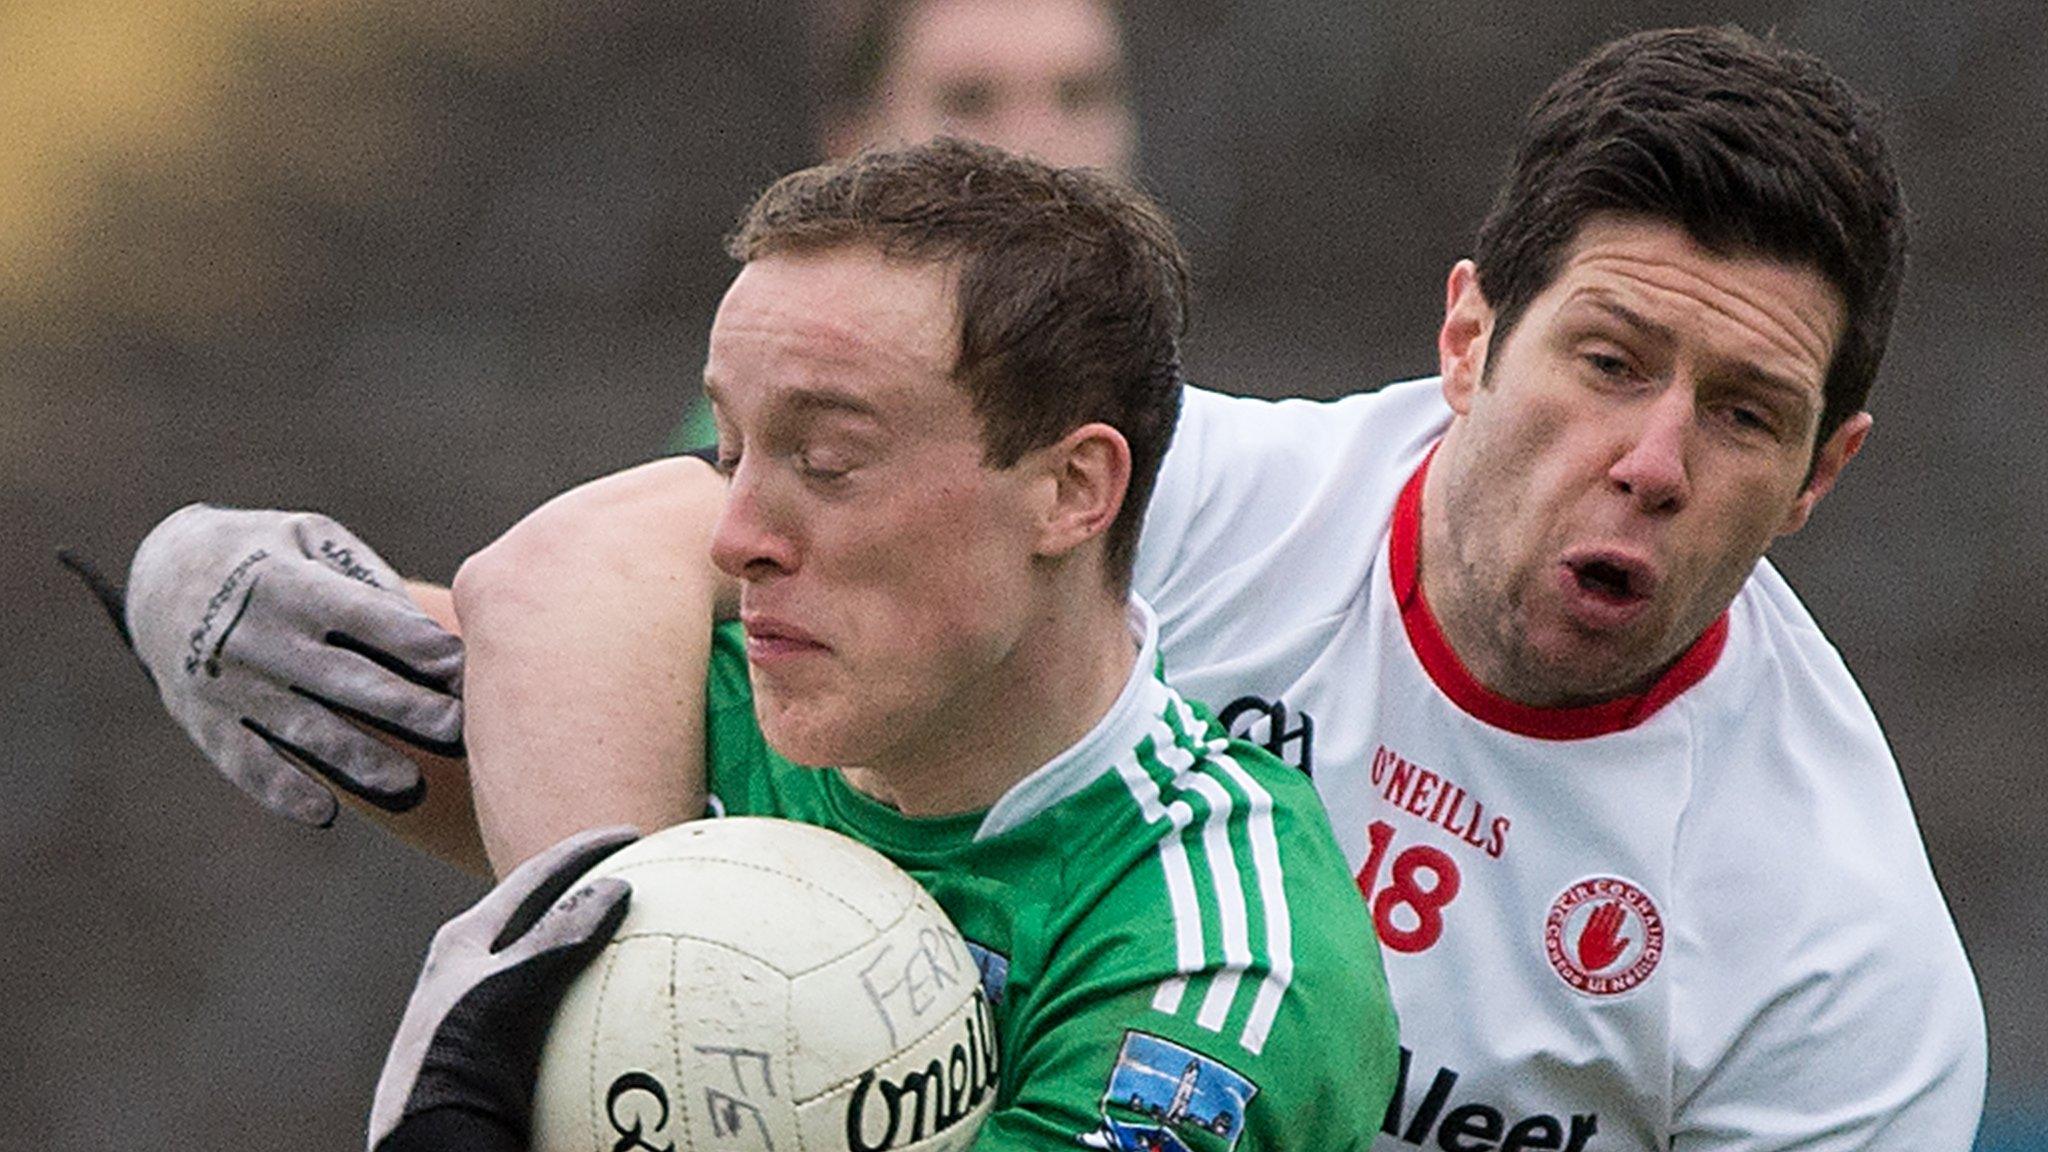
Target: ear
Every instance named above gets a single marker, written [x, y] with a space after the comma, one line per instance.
[1827, 468]
[1088, 470]
[1461, 343]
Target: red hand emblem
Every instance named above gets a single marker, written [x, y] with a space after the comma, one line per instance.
[1601, 942]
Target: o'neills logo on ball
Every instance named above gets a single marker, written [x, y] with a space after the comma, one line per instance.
[887, 1113]
[1603, 936]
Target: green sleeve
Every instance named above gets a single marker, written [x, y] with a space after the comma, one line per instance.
[1095, 1064]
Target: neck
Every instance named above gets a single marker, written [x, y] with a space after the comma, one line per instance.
[1054, 685]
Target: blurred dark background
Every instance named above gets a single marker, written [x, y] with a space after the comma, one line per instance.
[421, 266]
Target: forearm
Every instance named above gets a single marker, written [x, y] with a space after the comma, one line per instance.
[444, 824]
[587, 629]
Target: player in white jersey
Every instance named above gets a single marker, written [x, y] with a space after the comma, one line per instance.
[1640, 859]
[1685, 916]
[1643, 867]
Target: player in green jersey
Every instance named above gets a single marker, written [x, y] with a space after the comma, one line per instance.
[1159, 915]
[944, 380]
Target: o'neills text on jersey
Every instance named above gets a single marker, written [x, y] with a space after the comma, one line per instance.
[1438, 799]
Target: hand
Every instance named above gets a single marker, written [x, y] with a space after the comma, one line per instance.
[266, 633]
[1601, 942]
[463, 1063]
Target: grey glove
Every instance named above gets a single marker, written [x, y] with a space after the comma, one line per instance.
[266, 633]
[461, 1069]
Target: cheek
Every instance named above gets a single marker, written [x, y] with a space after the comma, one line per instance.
[944, 572]
[1526, 469]
[910, 637]
[1745, 524]
[1732, 531]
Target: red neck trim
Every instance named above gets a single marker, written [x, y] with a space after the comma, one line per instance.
[1404, 554]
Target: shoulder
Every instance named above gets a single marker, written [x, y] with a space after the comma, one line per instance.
[1236, 853]
[1254, 491]
[1784, 707]
[1189, 779]
[1273, 444]
[1794, 770]
[1225, 947]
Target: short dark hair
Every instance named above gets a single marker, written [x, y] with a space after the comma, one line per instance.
[1071, 297]
[1751, 146]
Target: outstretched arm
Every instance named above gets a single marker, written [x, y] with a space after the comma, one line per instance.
[587, 628]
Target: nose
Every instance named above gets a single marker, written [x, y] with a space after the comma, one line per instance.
[749, 542]
[1651, 470]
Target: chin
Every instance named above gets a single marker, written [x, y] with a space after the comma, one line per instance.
[1582, 669]
[802, 743]
[814, 737]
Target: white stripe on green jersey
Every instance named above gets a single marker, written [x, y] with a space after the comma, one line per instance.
[1168, 754]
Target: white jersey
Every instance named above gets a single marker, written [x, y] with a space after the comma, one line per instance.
[1697, 919]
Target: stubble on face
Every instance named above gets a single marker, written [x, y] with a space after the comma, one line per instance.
[1621, 460]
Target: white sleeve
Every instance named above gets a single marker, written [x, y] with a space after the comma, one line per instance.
[1888, 1054]
[1267, 515]
[1835, 1008]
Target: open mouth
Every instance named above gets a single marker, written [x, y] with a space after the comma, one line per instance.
[1610, 579]
[1605, 579]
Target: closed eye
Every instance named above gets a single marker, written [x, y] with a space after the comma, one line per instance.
[820, 472]
[1608, 365]
[1751, 420]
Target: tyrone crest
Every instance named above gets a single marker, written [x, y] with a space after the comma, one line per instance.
[1603, 936]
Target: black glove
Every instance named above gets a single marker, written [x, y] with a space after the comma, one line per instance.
[461, 1070]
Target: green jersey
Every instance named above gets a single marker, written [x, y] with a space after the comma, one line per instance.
[1176, 953]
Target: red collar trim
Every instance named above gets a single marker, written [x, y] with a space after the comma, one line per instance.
[1404, 554]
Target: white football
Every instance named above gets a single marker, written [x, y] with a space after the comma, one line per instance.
[773, 986]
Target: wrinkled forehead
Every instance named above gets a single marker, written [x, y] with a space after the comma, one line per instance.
[1782, 318]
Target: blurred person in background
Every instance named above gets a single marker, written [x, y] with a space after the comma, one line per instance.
[1042, 78]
